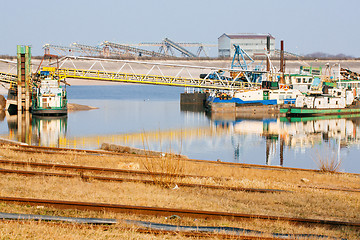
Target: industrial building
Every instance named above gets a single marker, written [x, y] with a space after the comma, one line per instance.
[252, 43]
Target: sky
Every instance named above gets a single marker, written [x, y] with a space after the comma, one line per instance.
[306, 26]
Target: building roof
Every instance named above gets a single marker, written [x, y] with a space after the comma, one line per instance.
[247, 35]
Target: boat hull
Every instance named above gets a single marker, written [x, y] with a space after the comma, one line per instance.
[49, 112]
[294, 111]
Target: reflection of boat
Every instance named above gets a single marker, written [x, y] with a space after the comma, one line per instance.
[314, 118]
[299, 132]
[47, 131]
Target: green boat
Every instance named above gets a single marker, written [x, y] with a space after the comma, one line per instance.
[307, 112]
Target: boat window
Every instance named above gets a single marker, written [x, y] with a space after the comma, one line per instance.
[310, 80]
[304, 80]
[298, 80]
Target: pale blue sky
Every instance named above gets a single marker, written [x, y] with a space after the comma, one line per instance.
[306, 26]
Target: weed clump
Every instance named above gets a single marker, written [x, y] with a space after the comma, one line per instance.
[328, 162]
[165, 169]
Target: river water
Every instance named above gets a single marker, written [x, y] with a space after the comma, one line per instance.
[151, 117]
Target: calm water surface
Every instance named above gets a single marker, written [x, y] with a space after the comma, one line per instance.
[151, 117]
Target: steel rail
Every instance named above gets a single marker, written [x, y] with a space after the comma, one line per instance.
[149, 231]
[241, 165]
[99, 169]
[118, 208]
[117, 179]
[41, 149]
[78, 168]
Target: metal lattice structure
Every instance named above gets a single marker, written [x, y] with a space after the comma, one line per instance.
[61, 50]
[89, 50]
[105, 49]
[180, 75]
[147, 73]
[167, 49]
[9, 77]
[288, 54]
[122, 49]
[168, 43]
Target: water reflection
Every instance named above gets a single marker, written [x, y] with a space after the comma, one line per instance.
[297, 134]
[37, 130]
[256, 139]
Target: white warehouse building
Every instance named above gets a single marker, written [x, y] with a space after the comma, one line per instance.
[250, 42]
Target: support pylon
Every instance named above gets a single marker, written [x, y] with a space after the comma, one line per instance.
[23, 73]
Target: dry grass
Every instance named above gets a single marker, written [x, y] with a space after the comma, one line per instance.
[40, 230]
[328, 161]
[173, 166]
[306, 203]
[302, 203]
[256, 225]
[235, 176]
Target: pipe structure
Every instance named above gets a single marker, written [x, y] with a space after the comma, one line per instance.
[282, 62]
[268, 52]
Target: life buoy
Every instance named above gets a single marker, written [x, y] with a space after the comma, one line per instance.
[286, 87]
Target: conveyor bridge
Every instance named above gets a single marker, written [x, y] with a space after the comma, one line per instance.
[146, 73]
[151, 79]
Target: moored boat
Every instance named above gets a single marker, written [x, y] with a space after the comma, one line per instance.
[49, 98]
[339, 102]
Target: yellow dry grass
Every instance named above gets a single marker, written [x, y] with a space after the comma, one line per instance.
[266, 227]
[39, 230]
[301, 202]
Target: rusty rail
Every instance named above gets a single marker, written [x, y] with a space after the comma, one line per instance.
[141, 173]
[41, 149]
[118, 208]
[115, 179]
[154, 231]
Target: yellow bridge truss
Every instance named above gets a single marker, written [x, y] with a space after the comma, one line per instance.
[151, 79]
[183, 75]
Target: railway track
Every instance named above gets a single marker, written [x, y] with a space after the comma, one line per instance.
[83, 169]
[129, 209]
[191, 234]
[40, 149]
[116, 179]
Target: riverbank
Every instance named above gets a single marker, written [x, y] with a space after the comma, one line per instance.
[304, 194]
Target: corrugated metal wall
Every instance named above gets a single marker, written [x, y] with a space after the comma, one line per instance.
[250, 45]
